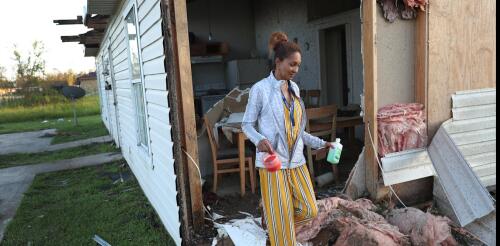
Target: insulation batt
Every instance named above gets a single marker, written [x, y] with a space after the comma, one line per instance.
[355, 221]
[401, 127]
[424, 229]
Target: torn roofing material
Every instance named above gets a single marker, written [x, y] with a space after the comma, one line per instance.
[468, 198]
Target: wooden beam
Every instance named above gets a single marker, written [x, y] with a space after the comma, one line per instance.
[78, 20]
[178, 63]
[370, 94]
[421, 62]
[74, 38]
[172, 68]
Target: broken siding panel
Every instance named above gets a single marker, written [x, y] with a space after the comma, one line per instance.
[474, 136]
[471, 124]
[478, 148]
[468, 198]
[474, 98]
[408, 174]
[406, 166]
[481, 159]
[474, 112]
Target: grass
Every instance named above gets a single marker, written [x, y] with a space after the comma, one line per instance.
[26, 159]
[88, 105]
[70, 207]
[88, 127]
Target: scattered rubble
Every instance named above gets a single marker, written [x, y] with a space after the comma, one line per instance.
[353, 221]
[423, 228]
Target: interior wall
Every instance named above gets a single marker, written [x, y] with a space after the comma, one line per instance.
[395, 60]
[230, 20]
[272, 16]
[462, 53]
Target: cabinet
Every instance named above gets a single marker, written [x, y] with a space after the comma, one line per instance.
[245, 72]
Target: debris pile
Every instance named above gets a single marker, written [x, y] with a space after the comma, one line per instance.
[345, 222]
[423, 228]
[352, 222]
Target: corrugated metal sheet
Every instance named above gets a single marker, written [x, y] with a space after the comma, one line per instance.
[406, 166]
[468, 198]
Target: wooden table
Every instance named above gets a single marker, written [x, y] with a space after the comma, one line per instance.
[350, 123]
[342, 122]
[241, 137]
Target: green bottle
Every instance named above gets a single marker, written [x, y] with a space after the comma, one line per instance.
[334, 153]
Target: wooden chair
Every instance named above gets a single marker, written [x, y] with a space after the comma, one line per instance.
[313, 98]
[321, 122]
[226, 160]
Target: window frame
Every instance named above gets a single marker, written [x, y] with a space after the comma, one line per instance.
[146, 147]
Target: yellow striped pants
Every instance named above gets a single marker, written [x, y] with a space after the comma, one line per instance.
[288, 200]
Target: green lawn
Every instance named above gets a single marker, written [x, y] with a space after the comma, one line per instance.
[70, 207]
[86, 106]
[88, 127]
[25, 159]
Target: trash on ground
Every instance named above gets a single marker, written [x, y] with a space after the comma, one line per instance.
[423, 228]
[100, 241]
[352, 221]
[247, 231]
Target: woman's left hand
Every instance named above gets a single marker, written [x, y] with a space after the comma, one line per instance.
[323, 151]
[329, 145]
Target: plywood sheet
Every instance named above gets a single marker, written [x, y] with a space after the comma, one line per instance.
[462, 52]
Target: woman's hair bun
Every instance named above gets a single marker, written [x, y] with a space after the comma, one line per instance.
[277, 38]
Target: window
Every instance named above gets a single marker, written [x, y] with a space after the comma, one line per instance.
[137, 85]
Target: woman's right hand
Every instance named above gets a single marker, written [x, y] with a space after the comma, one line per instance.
[265, 146]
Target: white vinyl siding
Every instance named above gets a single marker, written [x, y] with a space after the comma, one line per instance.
[154, 170]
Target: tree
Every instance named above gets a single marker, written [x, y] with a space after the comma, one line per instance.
[31, 68]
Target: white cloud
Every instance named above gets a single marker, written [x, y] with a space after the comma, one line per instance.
[24, 21]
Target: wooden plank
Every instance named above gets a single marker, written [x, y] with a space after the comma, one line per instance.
[370, 88]
[462, 52]
[421, 54]
[179, 83]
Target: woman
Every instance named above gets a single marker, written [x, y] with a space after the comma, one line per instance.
[274, 104]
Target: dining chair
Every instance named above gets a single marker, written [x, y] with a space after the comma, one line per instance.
[313, 98]
[321, 122]
[226, 160]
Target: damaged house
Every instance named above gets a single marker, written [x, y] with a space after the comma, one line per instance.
[167, 72]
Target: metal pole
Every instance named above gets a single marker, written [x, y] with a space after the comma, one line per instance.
[75, 120]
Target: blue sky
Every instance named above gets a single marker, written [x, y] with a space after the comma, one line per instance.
[23, 21]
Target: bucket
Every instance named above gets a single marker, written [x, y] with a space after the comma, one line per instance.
[272, 163]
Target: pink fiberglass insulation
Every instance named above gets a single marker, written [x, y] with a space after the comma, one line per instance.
[401, 127]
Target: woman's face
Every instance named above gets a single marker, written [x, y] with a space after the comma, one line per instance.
[288, 67]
